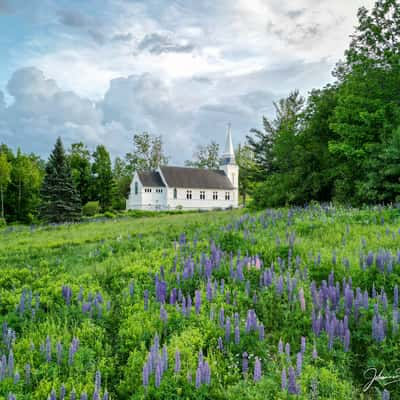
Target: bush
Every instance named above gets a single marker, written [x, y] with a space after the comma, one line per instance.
[91, 208]
[109, 214]
[2, 223]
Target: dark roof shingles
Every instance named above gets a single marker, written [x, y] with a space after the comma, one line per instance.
[196, 178]
[151, 179]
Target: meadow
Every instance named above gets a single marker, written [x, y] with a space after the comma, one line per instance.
[295, 303]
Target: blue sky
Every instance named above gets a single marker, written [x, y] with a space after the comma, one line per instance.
[99, 71]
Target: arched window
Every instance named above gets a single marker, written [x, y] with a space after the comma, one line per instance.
[175, 194]
[136, 188]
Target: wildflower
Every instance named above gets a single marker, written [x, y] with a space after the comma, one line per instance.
[292, 386]
[97, 381]
[227, 329]
[261, 332]
[220, 344]
[299, 363]
[62, 392]
[237, 335]
[146, 299]
[283, 379]
[158, 375]
[385, 395]
[27, 373]
[145, 375]
[257, 370]
[347, 340]
[280, 346]
[197, 301]
[303, 344]
[302, 300]
[245, 362]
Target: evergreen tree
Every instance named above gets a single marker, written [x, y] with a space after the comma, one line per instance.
[103, 182]
[79, 159]
[5, 178]
[60, 200]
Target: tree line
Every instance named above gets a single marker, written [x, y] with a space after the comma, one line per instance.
[342, 143]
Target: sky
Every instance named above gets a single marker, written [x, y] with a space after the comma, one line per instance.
[99, 71]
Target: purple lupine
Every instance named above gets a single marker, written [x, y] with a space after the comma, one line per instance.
[237, 335]
[164, 358]
[145, 374]
[84, 396]
[283, 379]
[385, 395]
[209, 291]
[261, 331]
[257, 370]
[53, 395]
[59, 352]
[198, 377]
[10, 364]
[287, 349]
[303, 344]
[3, 367]
[396, 296]
[177, 367]
[245, 362]
[197, 301]
[221, 317]
[27, 374]
[220, 344]
[163, 313]
[228, 329]
[299, 363]
[131, 289]
[302, 299]
[292, 386]
[97, 380]
[11, 396]
[158, 375]
[96, 395]
[16, 378]
[72, 396]
[280, 346]
[105, 395]
[62, 392]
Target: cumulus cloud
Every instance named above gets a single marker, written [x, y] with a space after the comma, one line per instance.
[5, 7]
[122, 37]
[157, 43]
[72, 18]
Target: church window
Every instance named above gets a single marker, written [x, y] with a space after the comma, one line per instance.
[202, 195]
[175, 193]
[215, 195]
[159, 190]
[227, 196]
[188, 194]
[147, 190]
[136, 188]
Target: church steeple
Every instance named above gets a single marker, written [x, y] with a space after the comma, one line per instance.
[228, 156]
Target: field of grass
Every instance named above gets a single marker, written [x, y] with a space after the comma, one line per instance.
[290, 303]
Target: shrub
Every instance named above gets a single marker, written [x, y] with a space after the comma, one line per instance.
[109, 214]
[2, 223]
[91, 208]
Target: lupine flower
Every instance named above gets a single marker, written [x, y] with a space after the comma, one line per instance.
[347, 340]
[27, 373]
[16, 378]
[59, 352]
[198, 377]
[303, 344]
[292, 386]
[385, 395]
[62, 392]
[158, 375]
[145, 375]
[299, 363]
[105, 395]
[11, 397]
[221, 317]
[53, 395]
[227, 329]
[283, 379]
[197, 301]
[257, 370]
[84, 396]
[302, 300]
[237, 335]
[97, 381]
[220, 344]
[131, 289]
[245, 362]
[280, 346]
[315, 353]
[396, 296]
[96, 395]
[163, 313]
[287, 349]
[261, 332]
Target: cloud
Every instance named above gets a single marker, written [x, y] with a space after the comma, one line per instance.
[157, 43]
[97, 36]
[122, 37]
[72, 18]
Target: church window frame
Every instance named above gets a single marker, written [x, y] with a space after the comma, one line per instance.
[202, 194]
[227, 195]
[175, 193]
[188, 194]
[136, 188]
[215, 195]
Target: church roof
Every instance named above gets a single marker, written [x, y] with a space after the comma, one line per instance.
[151, 179]
[196, 178]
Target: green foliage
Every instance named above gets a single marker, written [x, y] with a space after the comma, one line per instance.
[103, 183]
[5, 177]
[205, 157]
[60, 201]
[91, 208]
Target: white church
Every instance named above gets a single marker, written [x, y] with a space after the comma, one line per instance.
[174, 188]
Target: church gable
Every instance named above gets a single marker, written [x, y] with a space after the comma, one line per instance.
[150, 179]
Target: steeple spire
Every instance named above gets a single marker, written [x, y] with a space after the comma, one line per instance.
[228, 157]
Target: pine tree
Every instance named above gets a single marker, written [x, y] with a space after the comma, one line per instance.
[60, 200]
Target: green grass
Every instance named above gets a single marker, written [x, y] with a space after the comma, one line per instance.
[105, 257]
